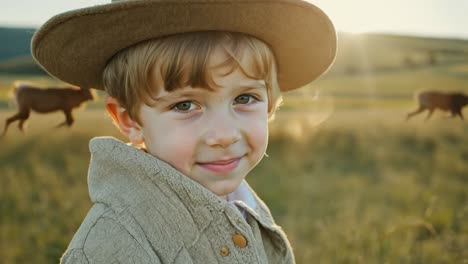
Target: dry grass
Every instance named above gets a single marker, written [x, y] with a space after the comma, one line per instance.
[347, 186]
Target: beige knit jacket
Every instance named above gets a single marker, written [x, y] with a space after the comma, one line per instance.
[145, 211]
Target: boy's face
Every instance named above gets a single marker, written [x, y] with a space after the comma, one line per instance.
[214, 136]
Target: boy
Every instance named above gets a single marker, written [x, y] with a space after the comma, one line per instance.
[191, 84]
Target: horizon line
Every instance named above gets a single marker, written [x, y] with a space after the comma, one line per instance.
[384, 32]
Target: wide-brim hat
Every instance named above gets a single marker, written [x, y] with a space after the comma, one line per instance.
[75, 46]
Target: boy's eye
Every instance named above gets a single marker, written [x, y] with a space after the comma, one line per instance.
[244, 99]
[184, 106]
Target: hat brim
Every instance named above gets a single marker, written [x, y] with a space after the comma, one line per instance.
[75, 46]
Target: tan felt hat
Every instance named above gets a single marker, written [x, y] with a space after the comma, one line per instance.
[75, 46]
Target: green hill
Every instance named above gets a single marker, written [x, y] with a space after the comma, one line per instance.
[15, 42]
[15, 52]
[379, 52]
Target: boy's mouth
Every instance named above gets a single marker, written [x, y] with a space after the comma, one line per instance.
[221, 166]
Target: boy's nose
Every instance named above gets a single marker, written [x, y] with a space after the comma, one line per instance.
[222, 134]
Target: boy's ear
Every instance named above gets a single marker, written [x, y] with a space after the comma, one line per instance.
[129, 127]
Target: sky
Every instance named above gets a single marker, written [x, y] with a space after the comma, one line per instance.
[437, 18]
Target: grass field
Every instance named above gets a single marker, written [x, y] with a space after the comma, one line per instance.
[356, 187]
[348, 179]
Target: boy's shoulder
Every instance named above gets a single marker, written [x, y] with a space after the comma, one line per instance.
[102, 237]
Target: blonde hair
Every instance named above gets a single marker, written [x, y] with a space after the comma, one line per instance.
[181, 60]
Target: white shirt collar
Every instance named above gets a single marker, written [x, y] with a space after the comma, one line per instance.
[244, 195]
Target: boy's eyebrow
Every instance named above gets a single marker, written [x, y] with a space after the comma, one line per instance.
[179, 93]
[173, 95]
[259, 85]
[195, 91]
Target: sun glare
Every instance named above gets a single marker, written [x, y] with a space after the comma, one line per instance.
[419, 17]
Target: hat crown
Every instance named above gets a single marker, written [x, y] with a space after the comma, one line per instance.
[300, 35]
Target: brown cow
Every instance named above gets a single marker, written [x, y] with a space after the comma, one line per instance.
[45, 100]
[430, 100]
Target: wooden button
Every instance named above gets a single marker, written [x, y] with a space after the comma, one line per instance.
[224, 251]
[239, 240]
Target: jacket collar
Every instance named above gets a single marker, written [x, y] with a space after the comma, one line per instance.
[115, 166]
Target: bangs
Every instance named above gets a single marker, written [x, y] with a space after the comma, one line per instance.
[183, 60]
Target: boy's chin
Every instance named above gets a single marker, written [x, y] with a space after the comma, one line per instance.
[225, 189]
